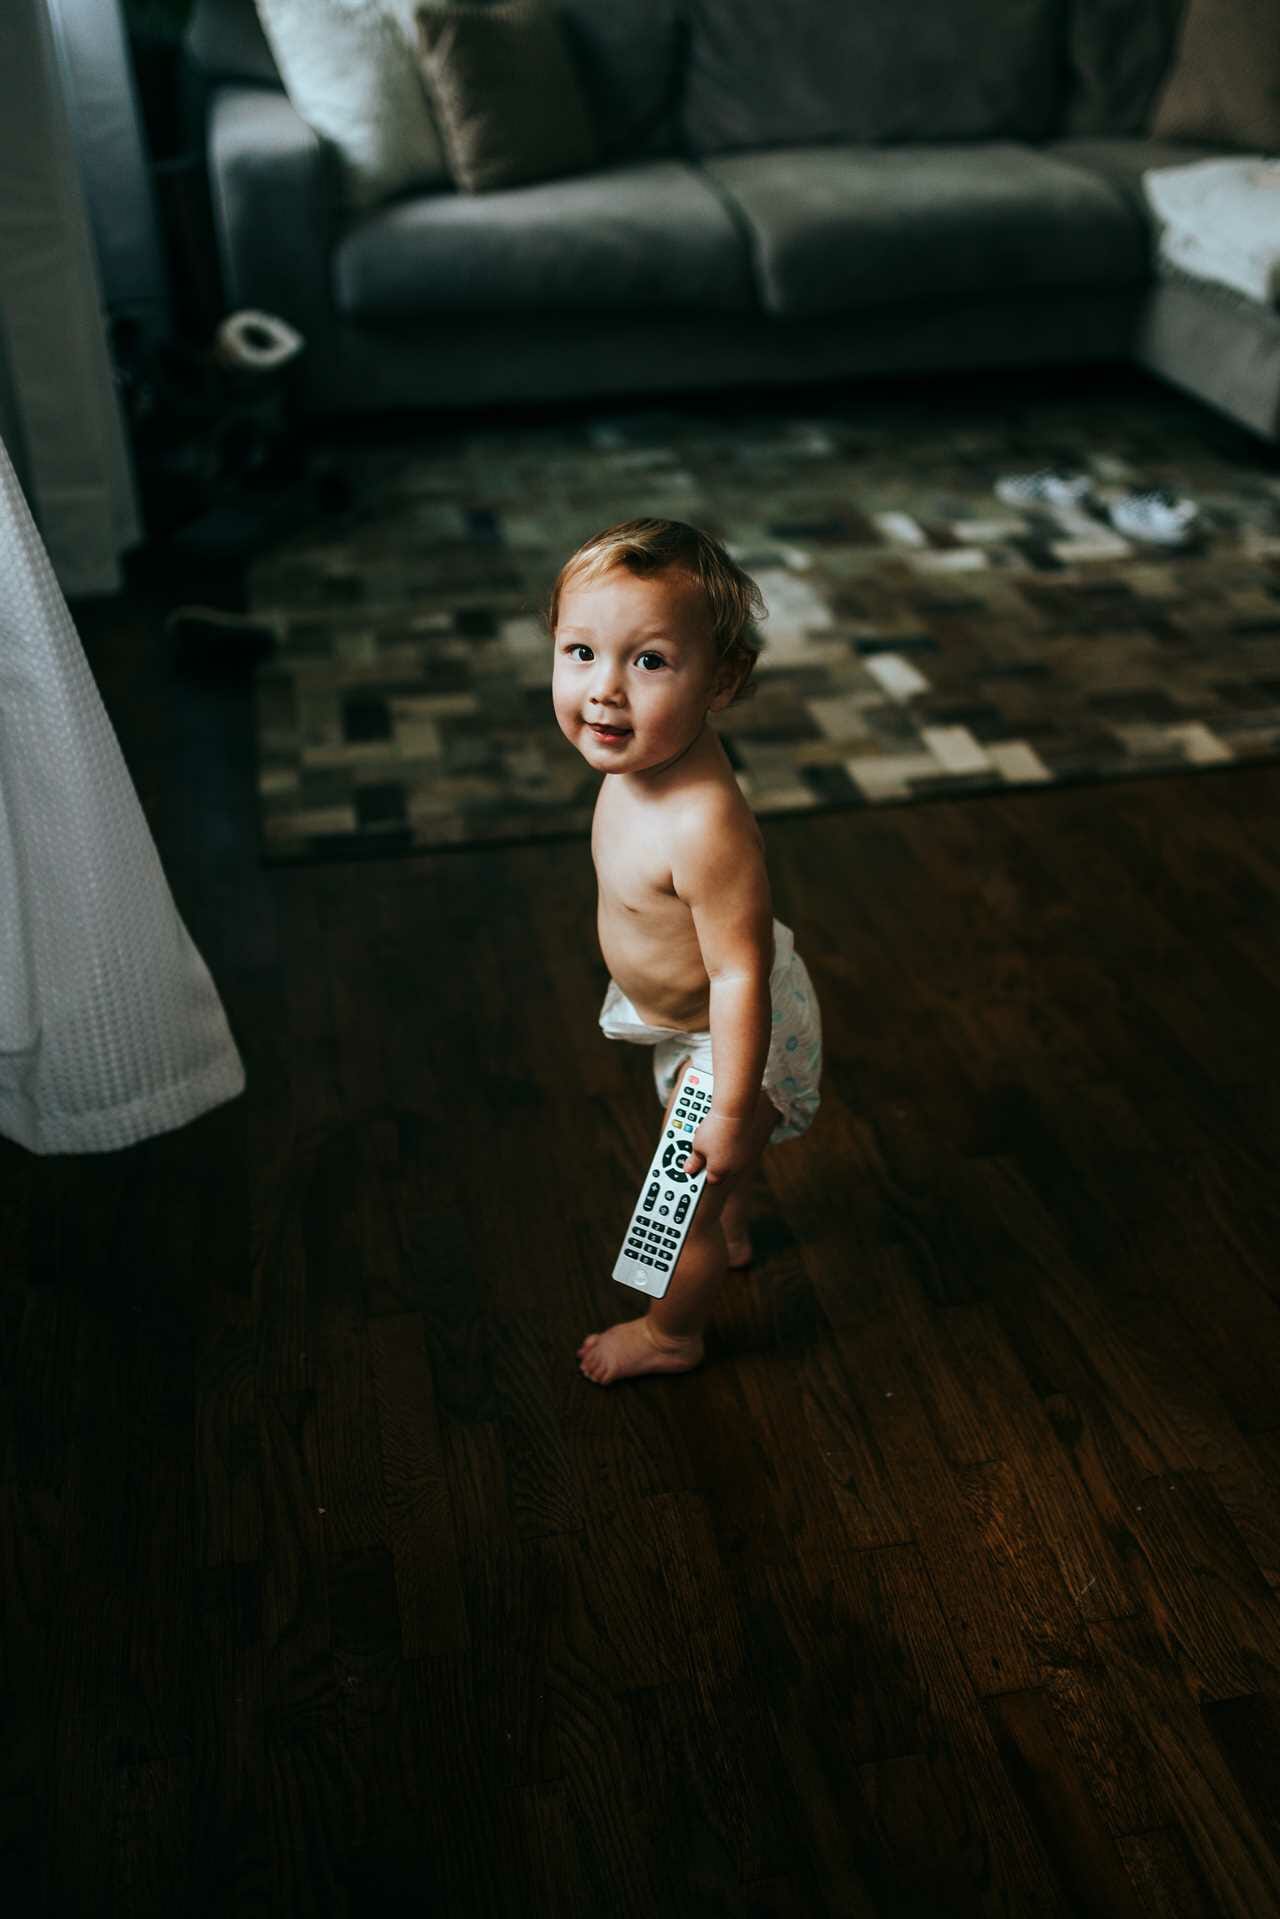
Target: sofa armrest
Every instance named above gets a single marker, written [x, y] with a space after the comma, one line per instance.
[272, 185]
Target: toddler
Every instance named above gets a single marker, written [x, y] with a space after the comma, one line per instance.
[653, 629]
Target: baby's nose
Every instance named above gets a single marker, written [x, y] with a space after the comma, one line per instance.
[606, 681]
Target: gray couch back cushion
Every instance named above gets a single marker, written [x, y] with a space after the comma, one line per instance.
[1119, 52]
[224, 39]
[630, 55]
[766, 74]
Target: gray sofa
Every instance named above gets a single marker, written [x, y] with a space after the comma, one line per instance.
[996, 219]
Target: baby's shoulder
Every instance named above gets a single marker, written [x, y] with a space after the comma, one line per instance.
[716, 805]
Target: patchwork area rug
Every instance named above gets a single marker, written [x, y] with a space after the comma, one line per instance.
[922, 640]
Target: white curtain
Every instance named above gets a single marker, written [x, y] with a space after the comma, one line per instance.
[110, 1026]
[52, 330]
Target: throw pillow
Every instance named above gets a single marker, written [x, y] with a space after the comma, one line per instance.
[506, 97]
[349, 68]
[1224, 84]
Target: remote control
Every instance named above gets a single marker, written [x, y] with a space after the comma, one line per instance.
[668, 1197]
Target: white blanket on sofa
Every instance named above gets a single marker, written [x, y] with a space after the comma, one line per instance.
[1220, 220]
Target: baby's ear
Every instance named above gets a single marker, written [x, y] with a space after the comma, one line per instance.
[725, 684]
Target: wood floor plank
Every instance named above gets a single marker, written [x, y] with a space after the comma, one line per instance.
[1204, 1589]
[227, 1489]
[1247, 1733]
[151, 1868]
[720, 1783]
[1162, 1868]
[1012, 1868]
[554, 1871]
[231, 1846]
[419, 1517]
[1024, 1433]
[1231, 1853]
[514, 1599]
[919, 1853]
[828, 1702]
[299, 1685]
[1111, 1749]
[976, 1572]
[1088, 1863]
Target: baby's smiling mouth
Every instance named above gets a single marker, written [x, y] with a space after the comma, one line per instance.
[609, 732]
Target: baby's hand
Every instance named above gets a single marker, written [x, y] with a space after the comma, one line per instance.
[721, 1145]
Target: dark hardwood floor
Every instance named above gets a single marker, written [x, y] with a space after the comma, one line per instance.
[948, 1586]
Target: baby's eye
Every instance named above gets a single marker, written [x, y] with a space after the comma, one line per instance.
[653, 656]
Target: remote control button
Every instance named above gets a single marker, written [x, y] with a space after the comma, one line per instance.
[664, 1209]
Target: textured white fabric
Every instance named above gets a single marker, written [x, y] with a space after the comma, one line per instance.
[110, 1027]
[1220, 220]
[349, 68]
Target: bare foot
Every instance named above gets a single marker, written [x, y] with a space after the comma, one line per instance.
[632, 1346]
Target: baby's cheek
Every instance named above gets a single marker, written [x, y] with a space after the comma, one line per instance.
[563, 707]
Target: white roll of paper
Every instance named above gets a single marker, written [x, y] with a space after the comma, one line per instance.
[258, 342]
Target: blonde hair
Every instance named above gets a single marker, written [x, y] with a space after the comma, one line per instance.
[644, 547]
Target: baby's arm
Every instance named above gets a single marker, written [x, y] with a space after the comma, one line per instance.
[718, 870]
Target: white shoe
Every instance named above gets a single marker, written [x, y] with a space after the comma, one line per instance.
[1157, 515]
[1049, 486]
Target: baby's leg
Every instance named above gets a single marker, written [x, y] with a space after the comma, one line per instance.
[668, 1338]
[737, 1205]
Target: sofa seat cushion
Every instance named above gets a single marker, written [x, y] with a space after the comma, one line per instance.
[1123, 162]
[836, 228]
[643, 234]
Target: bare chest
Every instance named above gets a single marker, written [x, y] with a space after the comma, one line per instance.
[630, 846]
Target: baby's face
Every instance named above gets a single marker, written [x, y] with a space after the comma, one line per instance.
[635, 655]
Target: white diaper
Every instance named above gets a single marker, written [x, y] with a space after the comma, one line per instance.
[794, 1067]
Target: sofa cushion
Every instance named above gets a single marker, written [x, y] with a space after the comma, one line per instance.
[350, 70]
[1224, 80]
[505, 93]
[1118, 54]
[837, 228]
[642, 234]
[1122, 163]
[224, 40]
[630, 54]
[764, 75]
